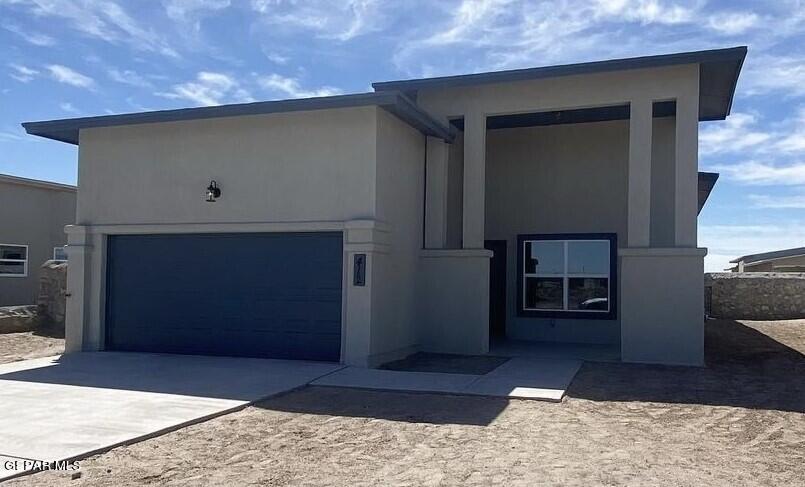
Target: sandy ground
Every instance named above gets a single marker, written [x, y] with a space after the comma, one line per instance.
[739, 421]
[27, 345]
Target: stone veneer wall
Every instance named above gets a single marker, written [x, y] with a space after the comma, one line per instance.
[52, 302]
[755, 295]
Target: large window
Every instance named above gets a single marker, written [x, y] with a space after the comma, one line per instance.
[567, 275]
[13, 260]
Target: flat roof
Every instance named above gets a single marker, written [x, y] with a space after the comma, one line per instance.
[718, 75]
[777, 254]
[67, 130]
[38, 183]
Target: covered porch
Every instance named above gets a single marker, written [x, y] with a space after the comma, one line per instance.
[608, 158]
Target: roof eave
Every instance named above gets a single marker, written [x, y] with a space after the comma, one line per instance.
[68, 130]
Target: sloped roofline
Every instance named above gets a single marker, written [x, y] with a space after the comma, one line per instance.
[777, 254]
[67, 130]
[718, 76]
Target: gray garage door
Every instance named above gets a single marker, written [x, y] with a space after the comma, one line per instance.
[249, 295]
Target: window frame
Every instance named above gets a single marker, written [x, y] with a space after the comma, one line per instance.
[62, 247]
[24, 261]
[612, 285]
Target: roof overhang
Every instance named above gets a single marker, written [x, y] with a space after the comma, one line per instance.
[718, 75]
[68, 130]
[706, 182]
[766, 256]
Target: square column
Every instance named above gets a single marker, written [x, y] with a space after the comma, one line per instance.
[474, 180]
[686, 168]
[79, 250]
[639, 198]
[436, 193]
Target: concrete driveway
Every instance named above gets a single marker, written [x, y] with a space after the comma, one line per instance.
[70, 406]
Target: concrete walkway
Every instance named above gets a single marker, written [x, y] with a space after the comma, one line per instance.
[60, 408]
[522, 378]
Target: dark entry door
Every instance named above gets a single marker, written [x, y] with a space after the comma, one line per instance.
[497, 288]
[273, 295]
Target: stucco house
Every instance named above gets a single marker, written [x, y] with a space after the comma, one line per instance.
[451, 214]
[787, 260]
[33, 215]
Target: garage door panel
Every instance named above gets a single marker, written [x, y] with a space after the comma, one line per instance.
[260, 295]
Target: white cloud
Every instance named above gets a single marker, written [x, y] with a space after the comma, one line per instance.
[765, 201]
[69, 108]
[66, 75]
[35, 38]
[764, 174]
[726, 242]
[290, 87]
[129, 77]
[330, 19]
[209, 88]
[105, 20]
[736, 134]
[764, 74]
[732, 23]
[183, 10]
[645, 11]
[23, 74]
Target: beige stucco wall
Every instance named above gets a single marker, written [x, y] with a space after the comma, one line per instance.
[33, 216]
[301, 166]
[569, 179]
[357, 170]
[556, 179]
[400, 200]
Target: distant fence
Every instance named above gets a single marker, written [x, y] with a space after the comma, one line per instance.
[755, 295]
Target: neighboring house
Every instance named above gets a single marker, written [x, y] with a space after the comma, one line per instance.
[358, 228]
[789, 260]
[33, 215]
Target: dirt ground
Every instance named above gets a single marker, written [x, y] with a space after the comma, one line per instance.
[739, 421]
[31, 344]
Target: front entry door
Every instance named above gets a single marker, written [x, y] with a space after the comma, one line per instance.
[497, 288]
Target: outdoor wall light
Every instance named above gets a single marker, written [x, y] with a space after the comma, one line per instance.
[213, 192]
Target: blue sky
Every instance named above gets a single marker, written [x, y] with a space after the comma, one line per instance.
[66, 58]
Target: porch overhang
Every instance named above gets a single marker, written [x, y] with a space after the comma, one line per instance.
[718, 75]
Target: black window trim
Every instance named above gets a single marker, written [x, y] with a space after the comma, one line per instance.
[612, 314]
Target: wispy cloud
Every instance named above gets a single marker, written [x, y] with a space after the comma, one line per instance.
[765, 201]
[66, 75]
[732, 23]
[209, 88]
[102, 19]
[21, 73]
[736, 134]
[764, 174]
[340, 20]
[290, 87]
[30, 36]
[69, 108]
[129, 77]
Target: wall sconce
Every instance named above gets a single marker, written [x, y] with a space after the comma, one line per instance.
[213, 192]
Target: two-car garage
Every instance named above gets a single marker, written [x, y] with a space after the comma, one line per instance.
[269, 295]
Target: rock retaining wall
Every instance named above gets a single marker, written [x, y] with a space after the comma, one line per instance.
[755, 295]
[52, 301]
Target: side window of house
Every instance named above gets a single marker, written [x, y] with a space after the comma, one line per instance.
[13, 260]
[567, 275]
[59, 253]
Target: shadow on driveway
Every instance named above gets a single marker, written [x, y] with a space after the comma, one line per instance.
[391, 406]
[745, 368]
